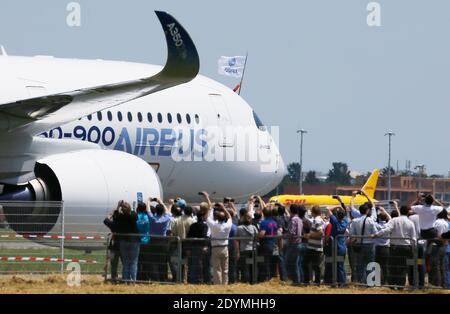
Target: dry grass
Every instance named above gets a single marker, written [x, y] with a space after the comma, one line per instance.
[95, 285]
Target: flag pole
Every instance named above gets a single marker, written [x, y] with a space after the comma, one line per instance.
[243, 73]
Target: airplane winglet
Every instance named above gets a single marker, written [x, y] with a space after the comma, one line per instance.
[182, 66]
[183, 62]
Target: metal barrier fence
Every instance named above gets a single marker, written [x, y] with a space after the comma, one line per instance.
[390, 262]
[39, 238]
[342, 262]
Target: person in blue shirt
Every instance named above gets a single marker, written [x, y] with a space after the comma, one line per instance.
[339, 225]
[159, 245]
[267, 234]
[143, 226]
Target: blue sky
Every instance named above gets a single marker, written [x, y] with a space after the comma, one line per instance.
[313, 64]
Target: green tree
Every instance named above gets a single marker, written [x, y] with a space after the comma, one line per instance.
[311, 178]
[385, 172]
[294, 171]
[339, 174]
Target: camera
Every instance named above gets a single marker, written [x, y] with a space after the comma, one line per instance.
[154, 199]
[227, 200]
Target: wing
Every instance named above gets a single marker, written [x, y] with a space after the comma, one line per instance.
[36, 115]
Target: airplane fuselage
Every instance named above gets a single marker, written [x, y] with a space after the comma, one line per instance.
[189, 119]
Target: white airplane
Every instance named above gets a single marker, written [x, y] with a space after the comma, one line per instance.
[92, 132]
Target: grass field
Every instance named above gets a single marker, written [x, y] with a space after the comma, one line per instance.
[25, 284]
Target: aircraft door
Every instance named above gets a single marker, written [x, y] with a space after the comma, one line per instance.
[223, 120]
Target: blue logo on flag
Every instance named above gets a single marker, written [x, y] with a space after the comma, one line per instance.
[232, 62]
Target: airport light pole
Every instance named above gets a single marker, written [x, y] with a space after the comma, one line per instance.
[301, 131]
[390, 134]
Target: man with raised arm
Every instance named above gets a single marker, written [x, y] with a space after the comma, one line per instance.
[427, 214]
[220, 226]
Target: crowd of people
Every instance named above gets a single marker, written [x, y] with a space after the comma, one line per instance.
[221, 244]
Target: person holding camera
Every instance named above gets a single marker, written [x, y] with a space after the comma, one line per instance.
[314, 248]
[438, 251]
[113, 245]
[159, 246]
[197, 249]
[403, 234]
[220, 227]
[295, 248]
[129, 243]
[339, 228]
[232, 243]
[363, 247]
[427, 213]
[143, 226]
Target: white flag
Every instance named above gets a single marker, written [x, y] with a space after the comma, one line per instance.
[232, 66]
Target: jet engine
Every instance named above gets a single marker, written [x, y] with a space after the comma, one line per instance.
[81, 187]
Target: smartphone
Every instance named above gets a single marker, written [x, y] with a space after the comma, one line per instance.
[200, 193]
[154, 200]
[391, 202]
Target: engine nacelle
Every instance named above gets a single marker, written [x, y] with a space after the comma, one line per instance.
[90, 183]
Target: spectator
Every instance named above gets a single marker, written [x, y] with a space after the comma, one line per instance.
[220, 227]
[400, 249]
[257, 219]
[246, 247]
[197, 249]
[143, 226]
[421, 244]
[267, 234]
[447, 255]
[181, 224]
[438, 251]
[363, 248]
[160, 244]
[128, 241]
[255, 204]
[305, 232]
[295, 249]
[427, 214]
[382, 244]
[179, 228]
[282, 219]
[113, 245]
[340, 223]
[328, 244]
[232, 244]
[278, 249]
[314, 249]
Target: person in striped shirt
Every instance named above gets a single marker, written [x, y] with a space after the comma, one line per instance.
[314, 248]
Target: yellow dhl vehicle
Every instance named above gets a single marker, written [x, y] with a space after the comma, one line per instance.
[324, 200]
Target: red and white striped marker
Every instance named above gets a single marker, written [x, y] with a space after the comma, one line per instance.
[45, 259]
[37, 236]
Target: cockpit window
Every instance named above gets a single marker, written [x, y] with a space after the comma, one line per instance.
[258, 122]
